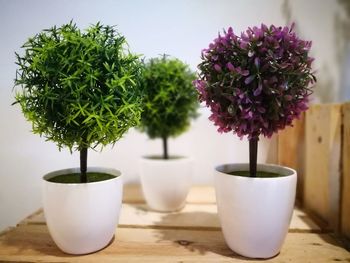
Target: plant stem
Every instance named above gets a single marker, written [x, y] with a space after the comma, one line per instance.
[253, 155]
[165, 148]
[83, 165]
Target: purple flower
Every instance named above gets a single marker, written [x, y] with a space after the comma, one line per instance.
[264, 28]
[264, 96]
[230, 66]
[257, 92]
[249, 79]
[261, 110]
[242, 72]
[243, 45]
[230, 31]
[217, 67]
[257, 62]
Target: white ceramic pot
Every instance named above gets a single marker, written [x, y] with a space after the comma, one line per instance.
[165, 183]
[255, 213]
[82, 218]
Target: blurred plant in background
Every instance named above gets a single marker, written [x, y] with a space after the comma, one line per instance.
[170, 102]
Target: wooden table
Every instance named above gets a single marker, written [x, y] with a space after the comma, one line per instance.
[192, 234]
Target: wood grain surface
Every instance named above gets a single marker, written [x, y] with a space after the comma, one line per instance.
[190, 235]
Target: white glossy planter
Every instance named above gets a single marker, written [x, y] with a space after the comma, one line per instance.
[82, 218]
[165, 183]
[255, 213]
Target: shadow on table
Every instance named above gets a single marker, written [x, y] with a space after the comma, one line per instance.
[197, 239]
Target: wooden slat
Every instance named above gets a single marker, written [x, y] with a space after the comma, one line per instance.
[192, 234]
[32, 243]
[200, 217]
[291, 151]
[345, 199]
[201, 213]
[195, 217]
[197, 194]
[322, 175]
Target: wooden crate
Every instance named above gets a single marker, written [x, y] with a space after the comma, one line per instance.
[321, 142]
[322, 162]
[345, 190]
[190, 235]
[291, 152]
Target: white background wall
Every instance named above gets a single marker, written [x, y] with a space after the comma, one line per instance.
[181, 28]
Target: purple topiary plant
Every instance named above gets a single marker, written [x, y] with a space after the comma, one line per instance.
[256, 83]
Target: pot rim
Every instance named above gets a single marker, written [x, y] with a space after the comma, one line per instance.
[222, 170]
[111, 171]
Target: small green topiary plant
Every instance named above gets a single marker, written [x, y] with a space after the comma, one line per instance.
[169, 99]
[80, 89]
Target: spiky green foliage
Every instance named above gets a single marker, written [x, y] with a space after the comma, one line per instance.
[170, 100]
[80, 89]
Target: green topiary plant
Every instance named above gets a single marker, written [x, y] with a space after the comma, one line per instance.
[169, 99]
[80, 89]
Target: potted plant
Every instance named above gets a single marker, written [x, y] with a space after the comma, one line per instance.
[255, 84]
[169, 104]
[80, 89]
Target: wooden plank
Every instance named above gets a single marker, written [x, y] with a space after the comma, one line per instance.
[345, 198]
[192, 234]
[201, 194]
[132, 193]
[197, 217]
[291, 151]
[32, 243]
[197, 194]
[322, 175]
[200, 217]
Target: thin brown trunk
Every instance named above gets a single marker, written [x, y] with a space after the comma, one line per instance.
[165, 148]
[83, 165]
[253, 156]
